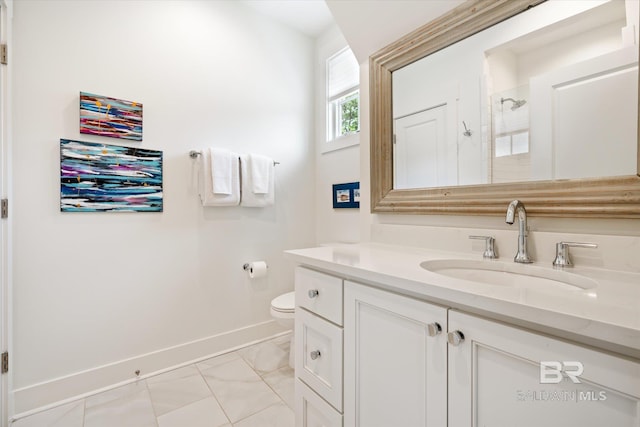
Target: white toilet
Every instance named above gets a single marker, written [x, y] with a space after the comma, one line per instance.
[283, 310]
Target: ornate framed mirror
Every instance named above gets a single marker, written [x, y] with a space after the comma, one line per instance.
[559, 196]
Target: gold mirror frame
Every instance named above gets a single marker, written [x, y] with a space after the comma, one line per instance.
[613, 197]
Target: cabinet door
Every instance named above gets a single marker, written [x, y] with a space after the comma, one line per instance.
[496, 379]
[312, 411]
[394, 373]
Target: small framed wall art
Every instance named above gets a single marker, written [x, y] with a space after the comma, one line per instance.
[115, 118]
[346, 195]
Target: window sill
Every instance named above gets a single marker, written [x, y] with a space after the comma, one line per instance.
[340, 143]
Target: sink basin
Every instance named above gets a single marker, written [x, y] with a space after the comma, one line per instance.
[509, 274]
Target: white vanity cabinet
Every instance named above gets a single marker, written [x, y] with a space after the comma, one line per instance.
[408, 362]
[495, 379]
[318, 349]
[395, 360]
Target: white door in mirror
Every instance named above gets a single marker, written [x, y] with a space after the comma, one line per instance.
[420, 149]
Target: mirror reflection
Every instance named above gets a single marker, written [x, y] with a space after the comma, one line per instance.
[549, 94]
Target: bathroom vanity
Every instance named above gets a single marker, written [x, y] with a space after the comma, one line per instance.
[393, 336]
[397, 336]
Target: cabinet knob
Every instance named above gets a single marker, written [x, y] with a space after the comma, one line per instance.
[313, 293]
[455, 337]
[314, 354]
[434, 329]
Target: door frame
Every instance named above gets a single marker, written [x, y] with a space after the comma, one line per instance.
[6, 15]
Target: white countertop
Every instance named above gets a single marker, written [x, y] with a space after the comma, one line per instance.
[607, 316]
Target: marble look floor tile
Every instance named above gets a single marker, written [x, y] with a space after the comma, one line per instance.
[69, 415]
[279, 415]
[269, 355]
[240, 391]
[128, 406]
[218, 360]
[203, 413]
[185, 397]
[175, 389]
[115, 394]
[282, 382]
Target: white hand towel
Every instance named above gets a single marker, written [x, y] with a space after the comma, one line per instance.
[221, 177]
[260, 169]
[249, 198]
[205, 184]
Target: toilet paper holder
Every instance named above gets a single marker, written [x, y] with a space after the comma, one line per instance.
[246, 266]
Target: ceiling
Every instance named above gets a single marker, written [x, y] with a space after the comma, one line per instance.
[367, 25]
[310, 17]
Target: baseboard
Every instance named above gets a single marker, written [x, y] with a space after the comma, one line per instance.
[38, 397]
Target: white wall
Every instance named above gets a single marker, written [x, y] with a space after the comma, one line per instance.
[337, 161]
[101, 292]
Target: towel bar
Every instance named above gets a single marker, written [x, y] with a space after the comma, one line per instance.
[194, 154]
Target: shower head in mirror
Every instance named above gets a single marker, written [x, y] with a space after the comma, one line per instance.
[517, 103]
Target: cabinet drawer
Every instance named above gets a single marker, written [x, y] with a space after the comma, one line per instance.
[312, 411]
[319, 356]
[319, 293]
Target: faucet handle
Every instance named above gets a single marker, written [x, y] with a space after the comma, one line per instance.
[562, 252]
[489, 247]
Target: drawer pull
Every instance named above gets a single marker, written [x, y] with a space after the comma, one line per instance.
[434, 329]
[314, 354]
[455, 338]
[313, 293]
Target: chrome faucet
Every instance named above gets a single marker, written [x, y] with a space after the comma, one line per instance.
[517, 206]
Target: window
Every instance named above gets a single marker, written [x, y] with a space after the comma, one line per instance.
[343, 95]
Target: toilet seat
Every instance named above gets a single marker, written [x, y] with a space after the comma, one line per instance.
[284, 303]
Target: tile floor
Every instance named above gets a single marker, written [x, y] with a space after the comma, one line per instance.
[250, 387]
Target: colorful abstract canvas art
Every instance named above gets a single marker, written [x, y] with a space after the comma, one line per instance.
[98, 177]
[115, 118]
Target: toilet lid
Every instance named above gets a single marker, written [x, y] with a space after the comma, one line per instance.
[285, 302]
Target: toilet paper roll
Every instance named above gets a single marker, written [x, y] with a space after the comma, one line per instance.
[257, 269]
